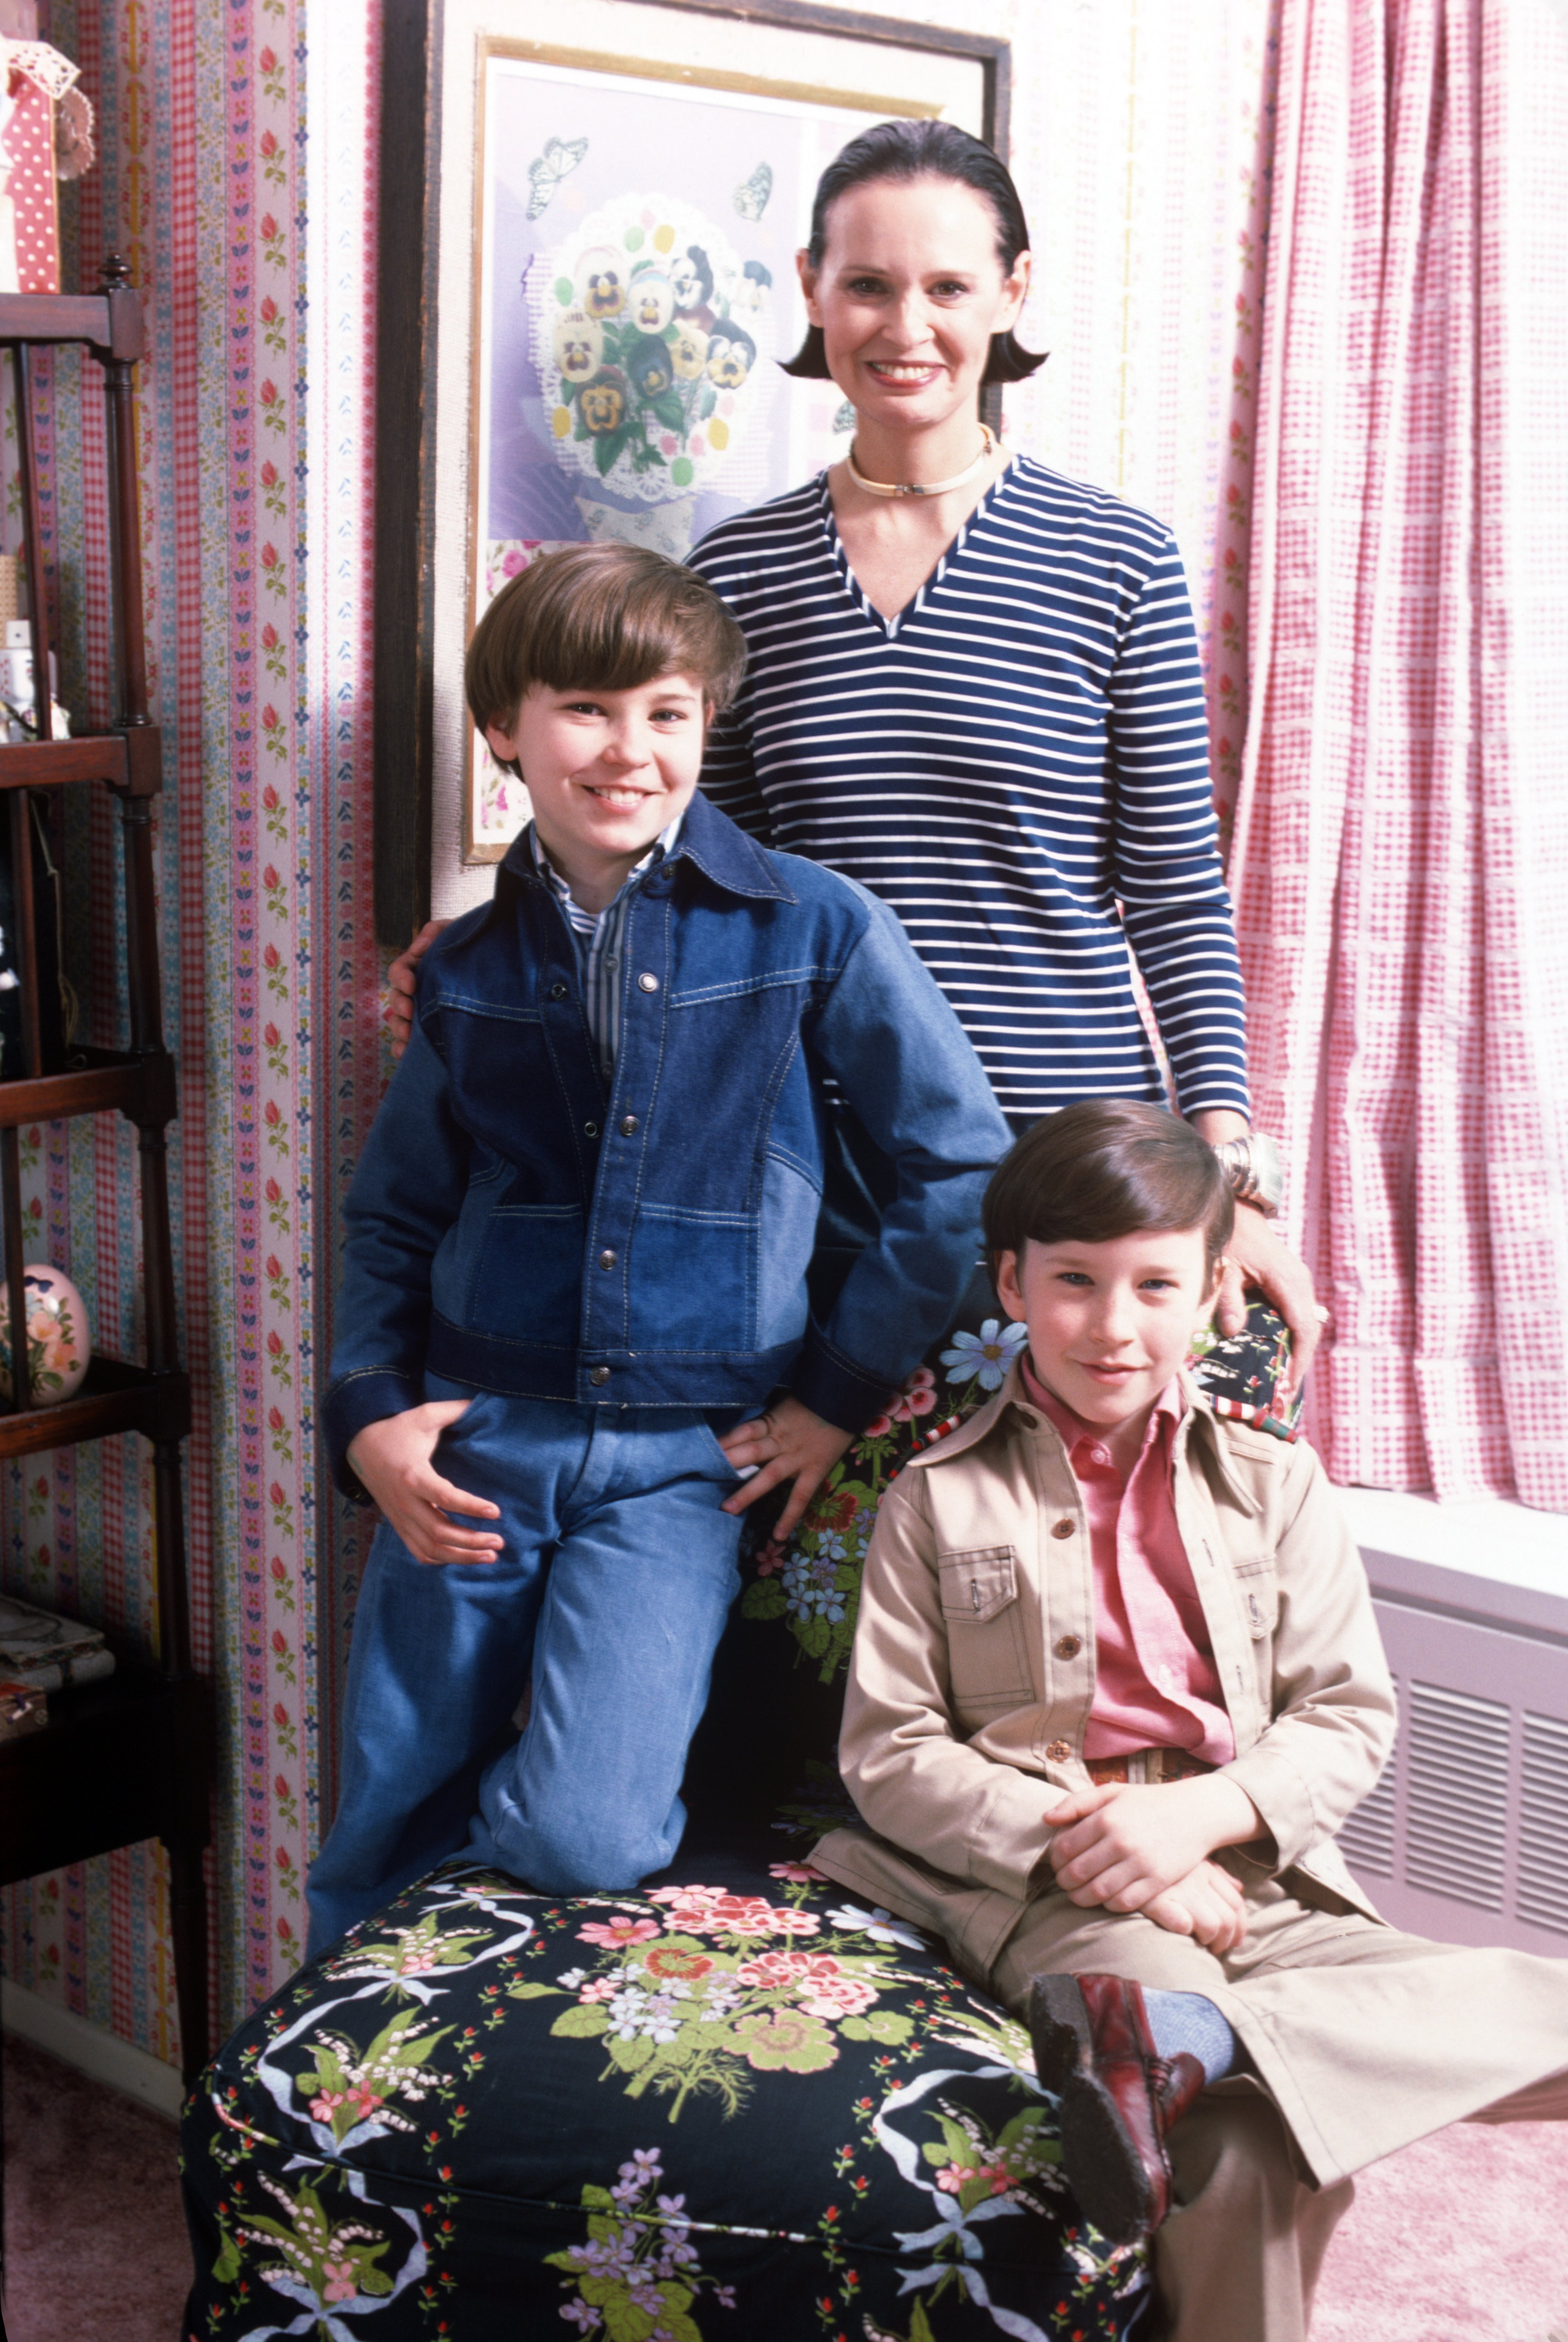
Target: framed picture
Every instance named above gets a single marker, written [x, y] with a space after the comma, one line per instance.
[607, 283]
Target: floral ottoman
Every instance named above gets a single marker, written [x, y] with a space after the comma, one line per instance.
[748, 2109]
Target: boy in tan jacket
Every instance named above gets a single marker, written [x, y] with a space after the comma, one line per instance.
[1116, 1683]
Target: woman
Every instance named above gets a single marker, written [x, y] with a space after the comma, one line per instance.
[974, 687]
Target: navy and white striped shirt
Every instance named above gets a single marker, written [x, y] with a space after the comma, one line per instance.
[597, 937]
[1022, 750]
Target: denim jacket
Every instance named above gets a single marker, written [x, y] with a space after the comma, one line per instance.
[515, 1228]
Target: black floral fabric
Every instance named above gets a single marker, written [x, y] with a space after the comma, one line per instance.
[736, 2103]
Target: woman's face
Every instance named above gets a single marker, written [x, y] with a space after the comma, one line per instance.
[908, 295]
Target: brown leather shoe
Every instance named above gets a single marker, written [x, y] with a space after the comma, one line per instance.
[1094, 2048]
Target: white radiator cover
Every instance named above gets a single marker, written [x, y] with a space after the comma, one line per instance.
[1465, 1838]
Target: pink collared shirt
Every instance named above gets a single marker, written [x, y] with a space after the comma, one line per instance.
[1155, 1682]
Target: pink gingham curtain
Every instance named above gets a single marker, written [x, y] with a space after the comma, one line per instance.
[1401, 854]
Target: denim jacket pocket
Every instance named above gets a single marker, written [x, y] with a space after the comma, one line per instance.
[987, 1661]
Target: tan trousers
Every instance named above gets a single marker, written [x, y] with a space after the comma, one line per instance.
[1364, 2039]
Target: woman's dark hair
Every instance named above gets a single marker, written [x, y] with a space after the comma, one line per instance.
[923, 150]
[1103, 1168]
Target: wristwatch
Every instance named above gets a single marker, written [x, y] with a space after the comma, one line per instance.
[1255, 1170]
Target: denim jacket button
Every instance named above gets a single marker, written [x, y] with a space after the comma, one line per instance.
[628, 1126]
[646, 983]
[559, 991]
[590, 1130]
[598, 1374]
[606, 1258]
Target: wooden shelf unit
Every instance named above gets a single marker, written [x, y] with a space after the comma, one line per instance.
[130, 1756]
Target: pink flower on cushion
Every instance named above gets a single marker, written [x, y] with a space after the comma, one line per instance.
[771, 1971]
[839, 1996]
[614, 1933]
[799, 1874]
[918, 1396]
[325, 2104]
[740, 1914]
[953, 2176]
[340, 2285]
[788, 1921]
[598, 1988]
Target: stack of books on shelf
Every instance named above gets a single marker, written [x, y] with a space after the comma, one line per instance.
[41, 1652]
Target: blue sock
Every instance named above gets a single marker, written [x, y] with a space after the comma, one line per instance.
[1185, 2020]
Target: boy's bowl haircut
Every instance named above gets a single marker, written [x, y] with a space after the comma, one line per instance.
[1103, 1168]
[600, 618]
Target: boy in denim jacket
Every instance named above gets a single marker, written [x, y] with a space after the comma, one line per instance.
[574, 1339]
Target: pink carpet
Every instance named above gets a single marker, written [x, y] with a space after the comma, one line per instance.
[95, 2246]
[1463, 2238]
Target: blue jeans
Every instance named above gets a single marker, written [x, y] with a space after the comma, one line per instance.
[611, 1594]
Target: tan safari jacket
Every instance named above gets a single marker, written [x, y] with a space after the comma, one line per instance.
[972, 1671]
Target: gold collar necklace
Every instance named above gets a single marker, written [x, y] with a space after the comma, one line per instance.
[932, 487]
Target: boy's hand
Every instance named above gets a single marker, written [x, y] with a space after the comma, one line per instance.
[1121, 1845]
[788, 1443]
[1207, 1904]
[398, 1013]
[392, 1459]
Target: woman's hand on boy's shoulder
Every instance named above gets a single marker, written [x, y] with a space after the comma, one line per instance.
[787, 1443]
[393, 1461]
[1256, 1256]
[401, 978]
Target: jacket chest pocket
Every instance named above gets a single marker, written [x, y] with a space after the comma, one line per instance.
[1258, 1585]
[988, 1662]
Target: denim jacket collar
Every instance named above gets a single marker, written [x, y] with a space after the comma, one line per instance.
[723, 853]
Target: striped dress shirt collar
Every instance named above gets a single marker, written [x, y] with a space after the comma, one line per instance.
[598, 935]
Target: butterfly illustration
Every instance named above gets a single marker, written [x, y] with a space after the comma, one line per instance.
[546, 171]
[752, 195]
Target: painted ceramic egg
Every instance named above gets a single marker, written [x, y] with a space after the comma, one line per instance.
[59, 1339]
[579, 344]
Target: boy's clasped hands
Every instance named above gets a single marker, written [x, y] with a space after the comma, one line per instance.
[1130, 1848]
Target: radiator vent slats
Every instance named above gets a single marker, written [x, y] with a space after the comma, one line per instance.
[1456, 1754]
[1541, 1893]
[1366, 1841]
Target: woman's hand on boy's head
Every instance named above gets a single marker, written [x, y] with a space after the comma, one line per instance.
[392, 1459]
[788, 1443]
[397, 1014]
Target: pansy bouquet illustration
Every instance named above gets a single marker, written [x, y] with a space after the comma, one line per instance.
[648, 331]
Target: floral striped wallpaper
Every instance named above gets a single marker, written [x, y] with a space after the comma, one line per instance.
[237, 177]
[237, 174]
